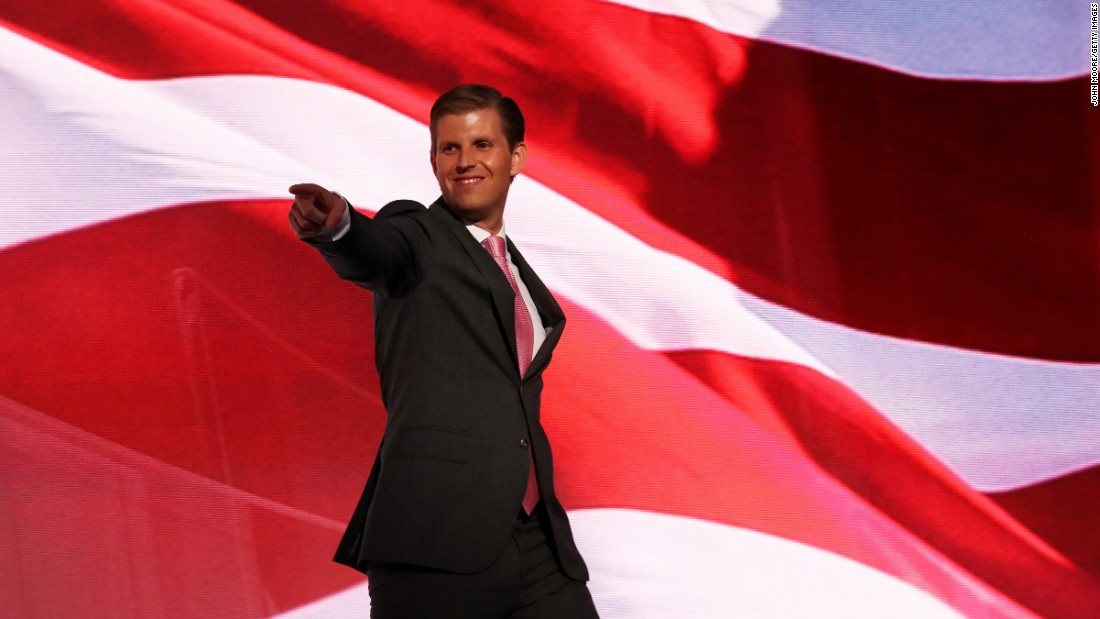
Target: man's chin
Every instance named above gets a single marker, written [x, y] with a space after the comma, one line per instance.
[464, 209]
[466, 204]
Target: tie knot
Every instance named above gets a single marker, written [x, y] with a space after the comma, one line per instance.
[495, 245]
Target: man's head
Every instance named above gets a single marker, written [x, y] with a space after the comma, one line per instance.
[477, 149]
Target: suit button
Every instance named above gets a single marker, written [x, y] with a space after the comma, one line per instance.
[523, 443]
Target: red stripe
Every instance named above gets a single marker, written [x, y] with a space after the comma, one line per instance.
[201, 327]
[948, 212]
[1061, 511]
[125, 539]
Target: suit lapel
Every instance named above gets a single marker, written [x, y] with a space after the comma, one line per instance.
[553, 319]
[499, 288]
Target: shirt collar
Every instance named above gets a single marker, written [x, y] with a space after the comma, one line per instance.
[480, 234]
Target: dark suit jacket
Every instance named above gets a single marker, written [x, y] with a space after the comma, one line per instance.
[452, 467]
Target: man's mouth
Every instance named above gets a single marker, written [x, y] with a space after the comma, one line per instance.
[471, 180]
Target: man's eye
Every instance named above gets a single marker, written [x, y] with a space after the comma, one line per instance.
[483, 145]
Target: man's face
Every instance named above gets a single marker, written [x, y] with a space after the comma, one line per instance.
[474, 165]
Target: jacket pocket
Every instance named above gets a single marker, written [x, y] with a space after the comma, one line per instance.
[437, 443]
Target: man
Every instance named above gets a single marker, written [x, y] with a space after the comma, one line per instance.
[459, 516]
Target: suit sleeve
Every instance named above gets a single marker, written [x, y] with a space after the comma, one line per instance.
[385, 254]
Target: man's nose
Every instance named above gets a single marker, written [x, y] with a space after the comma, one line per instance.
[466, 159]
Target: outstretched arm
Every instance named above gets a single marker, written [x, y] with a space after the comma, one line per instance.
[385, 254]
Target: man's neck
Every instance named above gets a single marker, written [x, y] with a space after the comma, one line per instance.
[489, 227]
[491, 222]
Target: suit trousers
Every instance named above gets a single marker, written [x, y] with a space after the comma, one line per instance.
[525, 582]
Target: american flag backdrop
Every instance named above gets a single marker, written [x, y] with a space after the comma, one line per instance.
[831, 269]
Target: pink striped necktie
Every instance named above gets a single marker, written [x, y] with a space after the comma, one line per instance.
[525, 342]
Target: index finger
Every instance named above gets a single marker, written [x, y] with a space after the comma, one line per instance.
[306, 189]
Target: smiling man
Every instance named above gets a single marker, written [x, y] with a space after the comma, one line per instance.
[459, 517]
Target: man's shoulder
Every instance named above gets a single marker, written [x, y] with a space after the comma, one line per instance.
[401, 207]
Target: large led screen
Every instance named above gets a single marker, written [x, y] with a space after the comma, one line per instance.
[831, 271]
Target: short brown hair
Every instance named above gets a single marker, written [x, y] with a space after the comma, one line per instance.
[473, 97]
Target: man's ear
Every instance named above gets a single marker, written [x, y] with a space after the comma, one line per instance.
[431, 157]
[519, 158]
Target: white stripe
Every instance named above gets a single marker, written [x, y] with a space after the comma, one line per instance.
[980, 40]
[647, 565]
[85, 147]
[351, 603]
[82, 147]
[655, 566]
[1000, 422]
